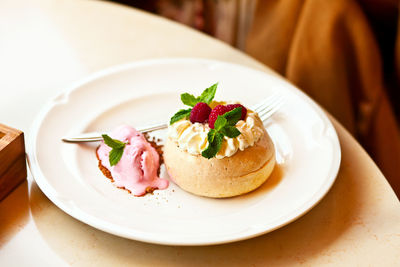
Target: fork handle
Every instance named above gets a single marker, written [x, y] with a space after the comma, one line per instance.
[95, 136]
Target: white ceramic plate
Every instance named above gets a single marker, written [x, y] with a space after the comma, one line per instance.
[307, 149]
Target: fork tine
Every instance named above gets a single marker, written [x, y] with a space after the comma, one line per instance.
[272, 111]
[266, 102]
[268, 111]
[269, 104]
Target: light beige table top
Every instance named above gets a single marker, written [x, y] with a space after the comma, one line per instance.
[46, 45]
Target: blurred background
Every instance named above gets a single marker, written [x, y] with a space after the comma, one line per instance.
[345, 54]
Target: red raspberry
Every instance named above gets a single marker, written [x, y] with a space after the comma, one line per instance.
[200, 112]
[218, 110]
[233, 106]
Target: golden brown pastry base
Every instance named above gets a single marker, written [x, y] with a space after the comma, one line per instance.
[230, 176]
[103, 169]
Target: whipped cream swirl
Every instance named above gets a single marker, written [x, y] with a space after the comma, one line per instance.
[192, 137]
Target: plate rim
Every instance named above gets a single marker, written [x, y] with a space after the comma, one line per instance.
[48, 190]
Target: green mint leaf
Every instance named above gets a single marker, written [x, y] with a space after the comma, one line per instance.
[230, 131]
[211, 135]
[115, 155]
[113, 143]
[189, 100]
[233, 116]
[220, 122]
[208, 94]
[183, 113]
[116, 151]
[213, 146]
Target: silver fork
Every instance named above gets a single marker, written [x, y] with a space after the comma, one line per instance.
[264, 108]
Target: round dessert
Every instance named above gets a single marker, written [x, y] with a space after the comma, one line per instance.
[241, 162]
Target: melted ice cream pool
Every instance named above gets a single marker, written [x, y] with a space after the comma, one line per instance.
[137, 169]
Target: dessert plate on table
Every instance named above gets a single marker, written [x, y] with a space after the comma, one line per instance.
[147, 92]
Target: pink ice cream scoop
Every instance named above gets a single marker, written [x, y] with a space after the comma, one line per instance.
[137, 169]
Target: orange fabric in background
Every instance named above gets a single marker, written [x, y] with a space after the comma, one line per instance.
[328, 50]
